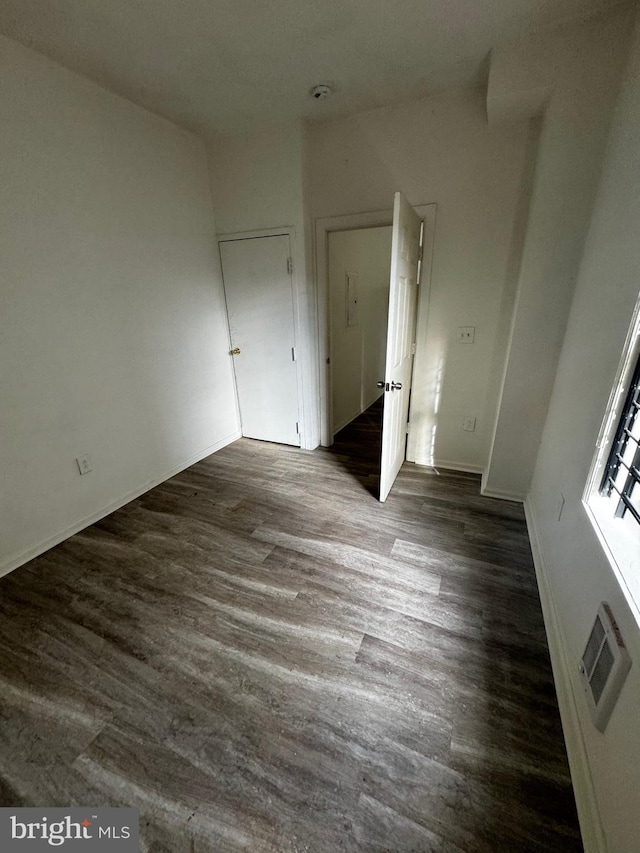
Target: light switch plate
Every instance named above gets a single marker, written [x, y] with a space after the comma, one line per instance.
[84, 464]
[466, 334]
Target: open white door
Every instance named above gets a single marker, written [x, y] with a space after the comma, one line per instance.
[401, 328]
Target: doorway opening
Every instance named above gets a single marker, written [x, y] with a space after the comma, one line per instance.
[359, 263]
[352, 311]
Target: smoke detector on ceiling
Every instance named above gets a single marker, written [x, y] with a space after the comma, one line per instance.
[321, 92]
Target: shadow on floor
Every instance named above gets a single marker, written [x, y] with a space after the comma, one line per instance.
[358, 447]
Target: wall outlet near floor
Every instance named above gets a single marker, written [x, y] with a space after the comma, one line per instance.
[466, 334]
[84, 464]
[469, 424]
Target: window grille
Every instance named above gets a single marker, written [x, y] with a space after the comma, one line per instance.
[622, 472]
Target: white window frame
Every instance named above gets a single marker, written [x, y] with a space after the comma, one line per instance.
[619, 537]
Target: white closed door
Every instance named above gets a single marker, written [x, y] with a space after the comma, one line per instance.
[258, 287]
[401, 329]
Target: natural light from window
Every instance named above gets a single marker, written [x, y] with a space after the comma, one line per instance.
[612, 495]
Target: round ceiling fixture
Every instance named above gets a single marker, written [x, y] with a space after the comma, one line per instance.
[321, 92]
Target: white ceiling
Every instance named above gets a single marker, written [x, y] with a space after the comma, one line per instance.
[224, 64]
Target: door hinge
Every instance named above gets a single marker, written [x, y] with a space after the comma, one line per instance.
[290, 266]
[293, 353]
[408, 428]
[298, 427]
[328, 361]
[413, 349]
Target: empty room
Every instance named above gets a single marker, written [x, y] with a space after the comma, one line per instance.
[320, 426]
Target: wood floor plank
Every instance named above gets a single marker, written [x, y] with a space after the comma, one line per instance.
[259, 656]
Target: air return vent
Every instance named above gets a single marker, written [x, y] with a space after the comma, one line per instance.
[604, 667]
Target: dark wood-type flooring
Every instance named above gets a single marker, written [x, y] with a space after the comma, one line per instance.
[259, 656]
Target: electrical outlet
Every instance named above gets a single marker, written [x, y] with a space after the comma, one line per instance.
[84, 464]
[469, 424]
[466, 334]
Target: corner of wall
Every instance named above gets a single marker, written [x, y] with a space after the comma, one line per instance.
[582, 70]
[591, 825]
[114, 292]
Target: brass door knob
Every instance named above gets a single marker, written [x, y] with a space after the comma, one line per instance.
[235, 351]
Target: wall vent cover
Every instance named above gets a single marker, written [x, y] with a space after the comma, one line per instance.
[604, 666]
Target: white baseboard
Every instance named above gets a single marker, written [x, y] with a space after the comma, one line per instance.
[372, 400]
[504, 496]
[356, 414]
[23, 557]
[449, 465]
[345, 421]
[593, 835]
[499, 493]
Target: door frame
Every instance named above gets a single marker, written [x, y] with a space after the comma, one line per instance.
[290, 232]
[355, 222]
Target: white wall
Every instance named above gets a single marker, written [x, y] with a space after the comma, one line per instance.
[113, 336]
[441, 150]
[358, 352]
[577, 571]
[258, 183]
[576, 72]
[257, 177]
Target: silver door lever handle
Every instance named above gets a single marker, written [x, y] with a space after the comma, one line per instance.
[396, 386]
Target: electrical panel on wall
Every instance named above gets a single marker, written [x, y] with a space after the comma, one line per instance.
[604, 666]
